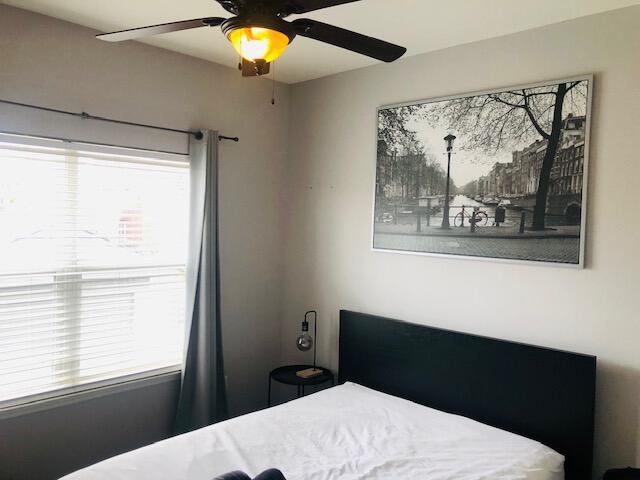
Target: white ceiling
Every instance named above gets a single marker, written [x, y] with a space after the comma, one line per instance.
[419, 25]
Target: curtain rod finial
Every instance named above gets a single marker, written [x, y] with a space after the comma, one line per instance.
[198, 135]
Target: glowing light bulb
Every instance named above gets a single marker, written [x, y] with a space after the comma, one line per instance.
[257, 43]
[304, 342]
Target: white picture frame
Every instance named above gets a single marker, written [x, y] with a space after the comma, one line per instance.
[404, 222]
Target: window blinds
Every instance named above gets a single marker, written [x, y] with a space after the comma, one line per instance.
[92, 268]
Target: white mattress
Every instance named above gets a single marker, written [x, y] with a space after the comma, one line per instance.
[347, 432]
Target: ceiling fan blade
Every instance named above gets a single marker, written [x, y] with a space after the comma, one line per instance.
[304, 6]
[134, 33]
[356, 42]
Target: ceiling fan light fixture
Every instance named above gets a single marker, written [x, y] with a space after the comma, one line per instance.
[260, 35]
[258, 43]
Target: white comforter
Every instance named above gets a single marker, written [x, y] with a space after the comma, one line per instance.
[348, 433]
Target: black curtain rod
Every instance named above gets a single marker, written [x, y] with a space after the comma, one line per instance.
[196, 133]
[84, 142]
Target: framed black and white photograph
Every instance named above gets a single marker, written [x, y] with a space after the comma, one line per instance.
[500, 174]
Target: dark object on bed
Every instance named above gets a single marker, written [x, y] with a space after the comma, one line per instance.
[271, 474]
[233, 476]
[622, 474]
[540, 393]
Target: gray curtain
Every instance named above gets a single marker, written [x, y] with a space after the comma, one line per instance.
[202, 393]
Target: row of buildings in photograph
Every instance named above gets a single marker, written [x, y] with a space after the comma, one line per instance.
[518, 180]
[404, 177]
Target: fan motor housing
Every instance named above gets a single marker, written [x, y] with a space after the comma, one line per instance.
[257, 20]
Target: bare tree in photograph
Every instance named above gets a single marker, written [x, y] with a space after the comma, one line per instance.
[392, 126]
[507, 119]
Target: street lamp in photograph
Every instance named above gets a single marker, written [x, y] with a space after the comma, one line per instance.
[449, 139]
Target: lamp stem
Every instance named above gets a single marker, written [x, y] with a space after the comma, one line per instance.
[315, 333]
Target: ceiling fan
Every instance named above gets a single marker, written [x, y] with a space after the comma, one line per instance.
[259, 33]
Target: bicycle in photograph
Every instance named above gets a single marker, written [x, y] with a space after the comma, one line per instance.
[462, 218]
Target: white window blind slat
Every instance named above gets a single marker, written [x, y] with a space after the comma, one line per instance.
[92, 268]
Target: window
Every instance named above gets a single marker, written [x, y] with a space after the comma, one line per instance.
[92, 267]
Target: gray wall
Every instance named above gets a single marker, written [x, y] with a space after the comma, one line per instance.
[58, 64]
[52, 442]
[330, 264]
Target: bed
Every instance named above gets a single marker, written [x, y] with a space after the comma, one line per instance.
[540, 393]
[415, 403]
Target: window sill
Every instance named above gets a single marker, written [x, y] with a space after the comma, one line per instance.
[51, 400]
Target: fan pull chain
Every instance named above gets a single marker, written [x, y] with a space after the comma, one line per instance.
[273, 83]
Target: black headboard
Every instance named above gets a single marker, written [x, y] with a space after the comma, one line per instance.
[540, 393]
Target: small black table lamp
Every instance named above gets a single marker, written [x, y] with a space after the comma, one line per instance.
[305, 342]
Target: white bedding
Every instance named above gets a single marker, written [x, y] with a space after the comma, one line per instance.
[347, 432]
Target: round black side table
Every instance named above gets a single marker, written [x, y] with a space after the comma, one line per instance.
[287, 375]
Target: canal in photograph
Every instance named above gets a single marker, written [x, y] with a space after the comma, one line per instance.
[406, 214]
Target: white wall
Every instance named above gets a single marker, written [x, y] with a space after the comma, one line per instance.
[57, 64]
[329, 264]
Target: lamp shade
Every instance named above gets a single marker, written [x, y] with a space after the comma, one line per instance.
[257, 43]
